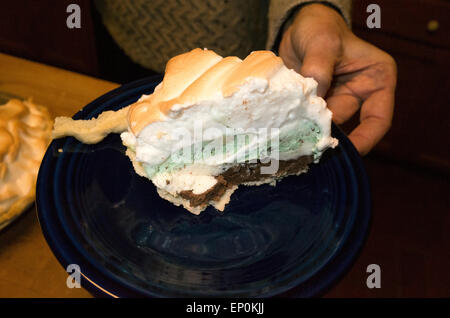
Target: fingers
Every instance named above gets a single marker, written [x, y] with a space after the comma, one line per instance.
[286, 51]
[343, 107]
[375, 120]
[319, 63]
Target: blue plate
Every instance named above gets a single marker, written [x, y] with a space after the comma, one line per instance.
[294, 239]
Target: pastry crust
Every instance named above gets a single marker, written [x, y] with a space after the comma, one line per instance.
[92, 131]
[179, 201]
[25, 132]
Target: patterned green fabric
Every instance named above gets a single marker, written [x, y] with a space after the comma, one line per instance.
[150, 32]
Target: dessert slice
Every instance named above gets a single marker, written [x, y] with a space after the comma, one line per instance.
[215, 123]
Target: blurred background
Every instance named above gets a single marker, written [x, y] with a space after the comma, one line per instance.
[409, 169]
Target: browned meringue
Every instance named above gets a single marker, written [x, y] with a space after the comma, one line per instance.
[25, 132]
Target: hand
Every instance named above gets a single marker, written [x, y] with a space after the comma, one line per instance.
[352, 74]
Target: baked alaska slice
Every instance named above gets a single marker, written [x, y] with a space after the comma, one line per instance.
[215, 123]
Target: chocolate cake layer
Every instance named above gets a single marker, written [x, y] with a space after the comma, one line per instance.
[243, 173]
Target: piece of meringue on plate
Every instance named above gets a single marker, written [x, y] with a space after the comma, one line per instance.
[215, 123]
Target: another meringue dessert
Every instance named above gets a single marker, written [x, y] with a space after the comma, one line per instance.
[215, 123]
[25, 132]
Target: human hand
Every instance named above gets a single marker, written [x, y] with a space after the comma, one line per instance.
[352, 74]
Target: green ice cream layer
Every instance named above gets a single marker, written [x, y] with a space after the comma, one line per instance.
[307, 135]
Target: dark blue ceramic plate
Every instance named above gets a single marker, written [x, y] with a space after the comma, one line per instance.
[294, 239]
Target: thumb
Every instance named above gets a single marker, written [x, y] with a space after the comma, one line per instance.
[319, 64]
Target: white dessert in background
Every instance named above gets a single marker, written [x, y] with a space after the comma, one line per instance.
[212, 122]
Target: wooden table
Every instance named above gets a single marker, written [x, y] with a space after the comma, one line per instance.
[27, 266]
[409, 237]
